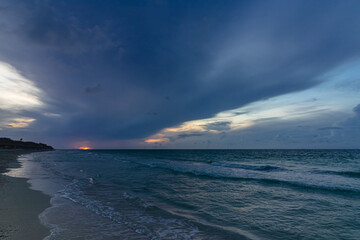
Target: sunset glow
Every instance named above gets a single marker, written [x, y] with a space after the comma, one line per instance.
[19, 122]
[157, 140]
[85, 148]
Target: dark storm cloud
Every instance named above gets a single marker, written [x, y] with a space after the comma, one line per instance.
[182, 60]
[45, 28]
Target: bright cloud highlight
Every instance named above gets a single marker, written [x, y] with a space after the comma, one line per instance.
[16, 91]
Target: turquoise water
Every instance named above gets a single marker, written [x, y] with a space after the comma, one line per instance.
[199, 194]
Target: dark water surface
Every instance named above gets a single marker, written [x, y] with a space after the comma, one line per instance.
[199, 194]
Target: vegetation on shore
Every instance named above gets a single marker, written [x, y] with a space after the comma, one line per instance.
[7, 143]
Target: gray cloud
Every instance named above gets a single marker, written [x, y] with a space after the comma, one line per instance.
[239, 113]
[94, 89]
[186, 135]
[353, 121]
[357, 109]
[217, 126]
[330, 128]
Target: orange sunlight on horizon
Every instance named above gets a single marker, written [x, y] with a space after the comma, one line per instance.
[85, 148]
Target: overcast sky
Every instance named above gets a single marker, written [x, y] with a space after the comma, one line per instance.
[181, 74]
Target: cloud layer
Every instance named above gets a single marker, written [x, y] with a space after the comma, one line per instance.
[122, 70]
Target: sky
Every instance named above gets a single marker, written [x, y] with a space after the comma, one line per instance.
[181, 74]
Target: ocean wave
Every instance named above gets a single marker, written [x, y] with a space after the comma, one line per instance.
[245, 166]
[352, 174]
[265, 174]
[146, 225]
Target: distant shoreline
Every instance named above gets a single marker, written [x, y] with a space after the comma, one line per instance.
[20, 206]
[9, 144]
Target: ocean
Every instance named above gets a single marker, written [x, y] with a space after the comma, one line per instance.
[198, 194]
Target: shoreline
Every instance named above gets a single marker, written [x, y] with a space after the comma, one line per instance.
[20, 206]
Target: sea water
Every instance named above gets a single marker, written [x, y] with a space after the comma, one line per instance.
[198, 194]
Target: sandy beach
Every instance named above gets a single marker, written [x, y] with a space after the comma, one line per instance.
[19, 205]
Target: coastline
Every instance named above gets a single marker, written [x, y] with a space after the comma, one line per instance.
[20, 206]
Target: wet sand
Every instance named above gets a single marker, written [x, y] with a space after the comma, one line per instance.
[19, 205]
